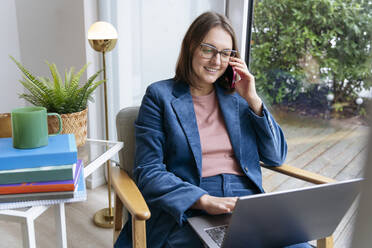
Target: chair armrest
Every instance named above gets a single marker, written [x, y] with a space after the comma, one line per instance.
[129, 194]
[299, 173]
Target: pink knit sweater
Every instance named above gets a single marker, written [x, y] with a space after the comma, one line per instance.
[217, 153]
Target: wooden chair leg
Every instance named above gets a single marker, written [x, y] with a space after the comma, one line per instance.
[118, 217]
[325, 243]
[138, 233]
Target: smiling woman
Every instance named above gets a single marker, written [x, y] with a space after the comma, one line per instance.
[195, 66]
[193, 156]
[208, 63]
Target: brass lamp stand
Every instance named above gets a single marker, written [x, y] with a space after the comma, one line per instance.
[102, 37]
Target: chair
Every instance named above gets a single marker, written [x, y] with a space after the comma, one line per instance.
[128, 195]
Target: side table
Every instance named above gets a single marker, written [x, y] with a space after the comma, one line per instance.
[94, 153]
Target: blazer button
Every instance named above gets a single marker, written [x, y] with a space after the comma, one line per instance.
[246, 169]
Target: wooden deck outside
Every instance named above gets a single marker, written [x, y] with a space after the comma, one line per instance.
[331, 149]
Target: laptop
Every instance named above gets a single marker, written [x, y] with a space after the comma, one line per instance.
[279, 219]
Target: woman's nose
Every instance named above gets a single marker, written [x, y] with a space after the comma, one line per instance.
[216, 60]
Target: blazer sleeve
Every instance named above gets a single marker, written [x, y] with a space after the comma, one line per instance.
[160, 188]
[271, 143]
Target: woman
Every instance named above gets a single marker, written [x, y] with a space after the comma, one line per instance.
[199, 143]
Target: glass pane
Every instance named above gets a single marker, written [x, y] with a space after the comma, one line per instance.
[312, 63]
[305, 52]
[91, 150]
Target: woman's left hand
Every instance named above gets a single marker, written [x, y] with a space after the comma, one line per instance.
[246, 86]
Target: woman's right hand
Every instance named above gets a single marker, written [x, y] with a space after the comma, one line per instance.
[215, 205]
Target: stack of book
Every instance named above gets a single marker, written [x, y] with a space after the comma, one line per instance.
[49, 172]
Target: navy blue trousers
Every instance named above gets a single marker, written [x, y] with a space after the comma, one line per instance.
[224, 185]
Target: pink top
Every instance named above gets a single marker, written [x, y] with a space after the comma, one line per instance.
[217, 153]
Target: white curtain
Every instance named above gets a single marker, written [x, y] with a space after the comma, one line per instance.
[150, 36]
[151, 33]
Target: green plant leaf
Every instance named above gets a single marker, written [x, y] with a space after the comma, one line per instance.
[55, 94]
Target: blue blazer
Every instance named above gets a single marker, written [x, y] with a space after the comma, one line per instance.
[168, 159]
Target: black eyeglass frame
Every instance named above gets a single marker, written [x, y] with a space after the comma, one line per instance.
[215, 52]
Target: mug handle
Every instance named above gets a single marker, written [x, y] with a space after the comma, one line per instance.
[59, 122]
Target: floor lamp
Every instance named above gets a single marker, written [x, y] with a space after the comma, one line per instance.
[102, 37]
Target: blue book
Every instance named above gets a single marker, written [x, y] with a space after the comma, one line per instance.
[61, 150]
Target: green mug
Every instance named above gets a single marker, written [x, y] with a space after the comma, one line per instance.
[30, 127]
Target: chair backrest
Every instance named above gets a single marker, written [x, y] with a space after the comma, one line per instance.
[125, 130]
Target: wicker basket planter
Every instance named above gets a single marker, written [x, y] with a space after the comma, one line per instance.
[75, 123]
[62, 96]
[5, 125]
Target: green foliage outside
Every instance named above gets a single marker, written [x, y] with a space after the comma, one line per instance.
[55, 95]
[299, 47]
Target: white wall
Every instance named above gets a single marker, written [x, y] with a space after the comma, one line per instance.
[37, 31]
[51, 31]
[9, 85]
[47, 30]
[150, 37]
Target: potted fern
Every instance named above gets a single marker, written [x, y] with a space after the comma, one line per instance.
[69, 98]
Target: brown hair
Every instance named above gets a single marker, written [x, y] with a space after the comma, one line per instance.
[193, 37]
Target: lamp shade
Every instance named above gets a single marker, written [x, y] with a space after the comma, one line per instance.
[102, 36]
[102, 31]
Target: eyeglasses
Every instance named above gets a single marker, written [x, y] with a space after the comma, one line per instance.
[209, 51]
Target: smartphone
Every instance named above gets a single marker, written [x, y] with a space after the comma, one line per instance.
[233, 79]
[231, 76]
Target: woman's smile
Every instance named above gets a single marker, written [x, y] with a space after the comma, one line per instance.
[208, 70]
[211, 69]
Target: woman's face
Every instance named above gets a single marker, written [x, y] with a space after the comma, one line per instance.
[207, 71]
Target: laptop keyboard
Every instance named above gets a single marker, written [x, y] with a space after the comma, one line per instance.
[217, 234]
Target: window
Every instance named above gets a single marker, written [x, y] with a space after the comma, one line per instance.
[312, 62]
[304, 51]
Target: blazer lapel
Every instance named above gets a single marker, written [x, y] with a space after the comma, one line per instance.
[230, 110]
[184, 108]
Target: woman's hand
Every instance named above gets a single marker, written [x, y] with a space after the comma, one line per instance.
[215, 205]
[246, 86]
